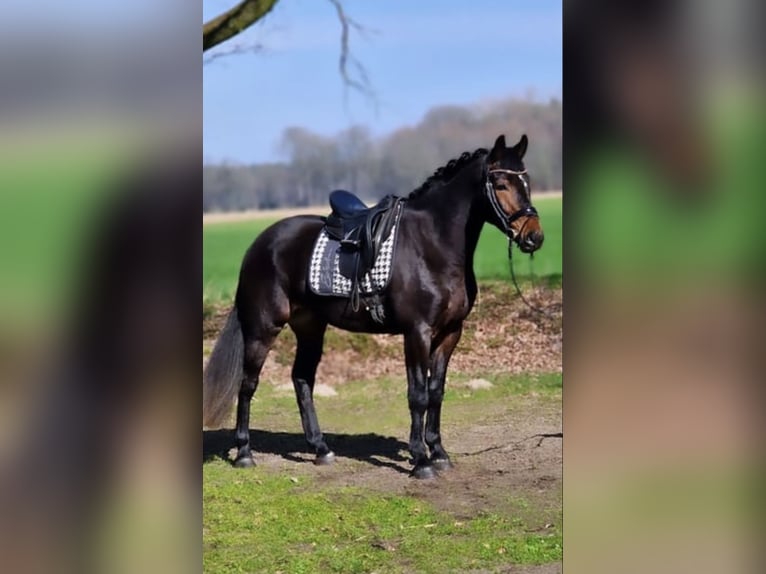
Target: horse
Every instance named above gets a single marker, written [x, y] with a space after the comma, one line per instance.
[431, 291]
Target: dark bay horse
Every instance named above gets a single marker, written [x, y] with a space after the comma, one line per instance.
[431, 291]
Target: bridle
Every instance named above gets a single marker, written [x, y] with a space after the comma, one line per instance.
[504, 218]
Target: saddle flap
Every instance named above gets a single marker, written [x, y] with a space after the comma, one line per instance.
[349, 263]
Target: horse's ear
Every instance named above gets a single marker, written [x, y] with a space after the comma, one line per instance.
[521, 147]
[498, 148]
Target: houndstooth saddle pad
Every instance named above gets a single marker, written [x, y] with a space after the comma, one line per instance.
[325, 277]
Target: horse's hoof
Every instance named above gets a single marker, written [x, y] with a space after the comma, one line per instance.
[423, 472]
[325, 459]
[442, 464]
[244, 462]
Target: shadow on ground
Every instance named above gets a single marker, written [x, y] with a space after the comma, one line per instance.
[374, 449]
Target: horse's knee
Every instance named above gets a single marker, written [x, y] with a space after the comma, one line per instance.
[418, 404]
[435, 397]
[417, 397]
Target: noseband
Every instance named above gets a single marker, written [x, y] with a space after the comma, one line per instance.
[504, 218]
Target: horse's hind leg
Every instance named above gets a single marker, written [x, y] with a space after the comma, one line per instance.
[259, 329]
[440, 357]
[255, 354]
[310, 335]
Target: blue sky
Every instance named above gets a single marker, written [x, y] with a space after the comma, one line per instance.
[418, 54]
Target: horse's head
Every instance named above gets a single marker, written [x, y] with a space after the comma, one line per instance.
[507, 190]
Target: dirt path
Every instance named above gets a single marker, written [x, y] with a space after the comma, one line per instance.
[497, 463]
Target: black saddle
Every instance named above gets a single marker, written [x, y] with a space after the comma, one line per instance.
[346, 205]
[361, 230]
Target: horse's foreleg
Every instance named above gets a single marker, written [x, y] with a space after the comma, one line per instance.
[307, 358]
[417, 345]
[440, 357]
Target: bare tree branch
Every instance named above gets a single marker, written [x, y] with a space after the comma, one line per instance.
[237, 49]
[362, 85]
[248, 12]
[234, 21]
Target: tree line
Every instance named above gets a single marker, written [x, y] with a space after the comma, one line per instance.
[396, 163]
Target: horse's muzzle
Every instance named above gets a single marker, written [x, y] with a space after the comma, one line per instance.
[531, 241]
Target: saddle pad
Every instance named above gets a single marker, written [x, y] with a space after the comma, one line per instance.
[325, 277]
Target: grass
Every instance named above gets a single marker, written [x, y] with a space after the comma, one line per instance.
[265, 520]
[380, 406]
[266, 523]
[224, 245]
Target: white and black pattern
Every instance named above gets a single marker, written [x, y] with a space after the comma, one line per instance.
[325, 277]
[315, 266]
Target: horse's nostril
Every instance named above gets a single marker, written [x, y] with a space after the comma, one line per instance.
[534, 239]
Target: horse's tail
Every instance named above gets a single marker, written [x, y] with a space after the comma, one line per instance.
[223, 374]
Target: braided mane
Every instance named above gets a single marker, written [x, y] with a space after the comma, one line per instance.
[447, 172]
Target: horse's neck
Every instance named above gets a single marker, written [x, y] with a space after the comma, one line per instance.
[457, 211]
[473, 228]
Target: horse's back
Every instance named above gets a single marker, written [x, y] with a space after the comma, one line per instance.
[279, 256]
[287, 237]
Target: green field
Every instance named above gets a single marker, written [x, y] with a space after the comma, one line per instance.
[224, 245]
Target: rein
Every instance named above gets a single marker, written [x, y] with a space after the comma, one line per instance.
[534, 308]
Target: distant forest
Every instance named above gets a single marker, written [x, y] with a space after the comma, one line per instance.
[396, 163]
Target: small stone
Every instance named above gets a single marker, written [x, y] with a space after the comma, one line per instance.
[322, 390]
[476, 384]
